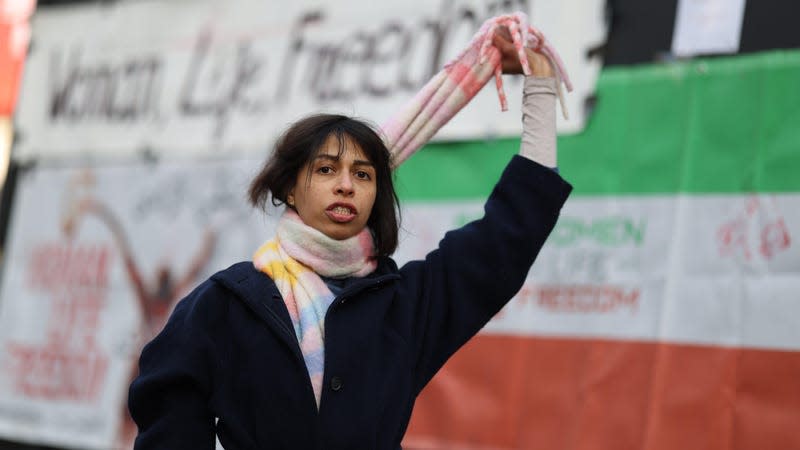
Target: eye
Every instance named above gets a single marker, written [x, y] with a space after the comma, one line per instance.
[325, 170]
[363, 175]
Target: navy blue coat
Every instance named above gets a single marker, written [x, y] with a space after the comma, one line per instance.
[229, 351]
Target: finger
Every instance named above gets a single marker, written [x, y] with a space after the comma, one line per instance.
[502, 44]
[503, 32]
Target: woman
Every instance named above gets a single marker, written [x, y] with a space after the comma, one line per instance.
[243, 356]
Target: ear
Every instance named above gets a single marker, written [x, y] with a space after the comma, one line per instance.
[290, 198]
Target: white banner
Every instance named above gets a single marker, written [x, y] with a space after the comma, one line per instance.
[210, 77]
[700, 269]
[95, 262]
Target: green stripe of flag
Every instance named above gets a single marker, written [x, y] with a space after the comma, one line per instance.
[719, 125]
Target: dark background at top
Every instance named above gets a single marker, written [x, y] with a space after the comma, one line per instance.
[641, 31]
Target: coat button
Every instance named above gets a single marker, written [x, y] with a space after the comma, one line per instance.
[336, 383]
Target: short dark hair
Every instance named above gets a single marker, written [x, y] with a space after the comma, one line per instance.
[302, 142]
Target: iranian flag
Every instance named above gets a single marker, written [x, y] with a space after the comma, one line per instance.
[664, 311]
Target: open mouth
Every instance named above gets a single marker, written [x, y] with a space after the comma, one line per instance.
[341, 213]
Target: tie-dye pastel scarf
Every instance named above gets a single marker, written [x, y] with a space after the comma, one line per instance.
[461, 79]
[294, 260]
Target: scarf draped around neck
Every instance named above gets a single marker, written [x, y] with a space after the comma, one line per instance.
[294, 260]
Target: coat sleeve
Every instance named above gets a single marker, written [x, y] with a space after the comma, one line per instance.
[169, 399]
[478, 268]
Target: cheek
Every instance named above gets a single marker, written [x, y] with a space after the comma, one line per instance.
[301, 199]
[371, 203]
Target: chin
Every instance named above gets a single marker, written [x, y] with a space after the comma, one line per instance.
[339, 235]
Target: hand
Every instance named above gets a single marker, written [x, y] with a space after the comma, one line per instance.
[539, 64]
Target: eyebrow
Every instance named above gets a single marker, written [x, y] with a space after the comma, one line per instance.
[357, 162]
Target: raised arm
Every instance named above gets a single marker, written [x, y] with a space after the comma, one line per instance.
[538, 141]
[478, 268]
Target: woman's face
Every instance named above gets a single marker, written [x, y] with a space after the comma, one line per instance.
[337, 198]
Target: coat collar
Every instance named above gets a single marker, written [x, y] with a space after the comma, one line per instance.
[255, 289]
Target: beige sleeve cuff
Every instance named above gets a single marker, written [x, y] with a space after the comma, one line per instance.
[538, 141]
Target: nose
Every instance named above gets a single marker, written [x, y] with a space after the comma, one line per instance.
[344, 186]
